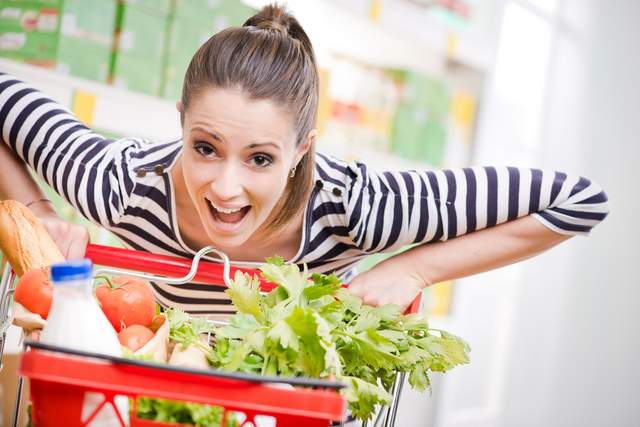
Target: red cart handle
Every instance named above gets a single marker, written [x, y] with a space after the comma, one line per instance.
[165, 265]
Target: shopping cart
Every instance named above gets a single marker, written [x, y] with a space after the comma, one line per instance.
[59, 377]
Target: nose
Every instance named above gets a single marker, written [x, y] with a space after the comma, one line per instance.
[227, 184]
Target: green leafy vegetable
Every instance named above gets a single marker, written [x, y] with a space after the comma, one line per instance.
[196, 414]
[310, 326]
[186, 330]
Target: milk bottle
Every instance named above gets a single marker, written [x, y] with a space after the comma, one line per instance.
[76, 321]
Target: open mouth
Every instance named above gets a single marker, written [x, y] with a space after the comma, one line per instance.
[228, 217]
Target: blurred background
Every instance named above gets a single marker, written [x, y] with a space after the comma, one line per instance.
[552, 84]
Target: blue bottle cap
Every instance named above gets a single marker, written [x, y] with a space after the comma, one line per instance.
[72, 270]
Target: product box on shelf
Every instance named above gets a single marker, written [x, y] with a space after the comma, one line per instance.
[71, 36]
[208, 10]
[139, 49]
[420, 123]
[191, 24]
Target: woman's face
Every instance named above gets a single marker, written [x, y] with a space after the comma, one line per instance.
[236, 161]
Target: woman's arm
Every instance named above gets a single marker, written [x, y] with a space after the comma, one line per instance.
[16, 183]
[398, 279]
[94, 174]
[466, 221]
[478, 252]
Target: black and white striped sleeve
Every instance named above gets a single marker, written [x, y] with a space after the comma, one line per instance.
[91, 172]
[387, 210]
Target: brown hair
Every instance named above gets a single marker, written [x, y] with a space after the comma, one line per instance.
[269, 57]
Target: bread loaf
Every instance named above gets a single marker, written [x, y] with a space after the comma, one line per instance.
[23, 239]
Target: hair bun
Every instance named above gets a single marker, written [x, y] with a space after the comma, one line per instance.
[273, 17]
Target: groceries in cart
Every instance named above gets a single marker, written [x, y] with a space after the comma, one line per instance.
[307, 325]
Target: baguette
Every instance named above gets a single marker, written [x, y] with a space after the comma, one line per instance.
[24, 241]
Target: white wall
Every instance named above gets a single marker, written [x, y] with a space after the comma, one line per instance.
[575, 355]
[556, 340]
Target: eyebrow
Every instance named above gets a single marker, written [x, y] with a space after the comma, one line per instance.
[261, 144]
[217, 137]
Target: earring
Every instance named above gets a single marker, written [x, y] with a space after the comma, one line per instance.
[293, 171]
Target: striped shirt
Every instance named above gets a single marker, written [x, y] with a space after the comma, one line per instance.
[125, 186]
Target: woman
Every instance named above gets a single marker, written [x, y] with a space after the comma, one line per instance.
[245, 178]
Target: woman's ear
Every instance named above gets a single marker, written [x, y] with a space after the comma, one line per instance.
[303, 148]
[181, 111]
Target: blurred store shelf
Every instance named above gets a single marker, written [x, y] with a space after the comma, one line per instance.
[118, 112]
[402, 34]
[105, 108]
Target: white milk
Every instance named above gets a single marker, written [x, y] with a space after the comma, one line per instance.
[77, 322]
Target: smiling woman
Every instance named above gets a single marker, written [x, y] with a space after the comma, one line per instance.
[245, 178]
[236, 168]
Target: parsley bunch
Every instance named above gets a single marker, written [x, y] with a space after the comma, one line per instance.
[169, 411]
[186, 330]
[310, 326]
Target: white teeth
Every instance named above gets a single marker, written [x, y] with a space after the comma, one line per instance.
[223, 210]
[227, 211]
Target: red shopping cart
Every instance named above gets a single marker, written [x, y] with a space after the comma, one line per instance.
[59, 377]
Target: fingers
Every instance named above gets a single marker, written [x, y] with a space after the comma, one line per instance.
[368, 292]
[70, 238]
[78, 243]
[376, 293]
[357, 287]
[403, 299]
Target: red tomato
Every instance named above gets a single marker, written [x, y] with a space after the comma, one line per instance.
[34, 291]
[127, 301]
[135, 337]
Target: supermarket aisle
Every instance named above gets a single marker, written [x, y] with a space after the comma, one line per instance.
[554, 340]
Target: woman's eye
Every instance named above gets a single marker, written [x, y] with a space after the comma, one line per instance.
[204, 149]
[261, 160]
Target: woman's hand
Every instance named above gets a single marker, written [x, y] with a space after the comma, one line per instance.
[387, 284]
[71, 238]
